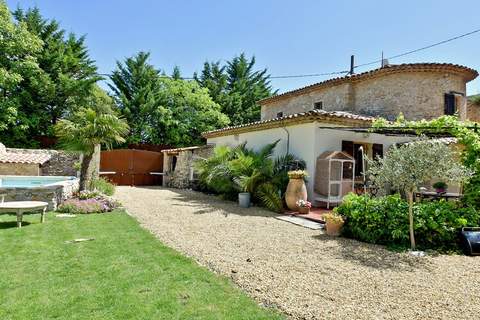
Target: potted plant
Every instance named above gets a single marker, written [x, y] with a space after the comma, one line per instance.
[440, 187]
[304, 206]
[296, 189]
[334, 223]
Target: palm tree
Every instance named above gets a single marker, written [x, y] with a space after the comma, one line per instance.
[85, 132]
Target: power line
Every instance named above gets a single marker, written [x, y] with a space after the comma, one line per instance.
[421, 49]
[357, 66]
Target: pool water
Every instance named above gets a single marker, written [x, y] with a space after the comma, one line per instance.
[30, 181]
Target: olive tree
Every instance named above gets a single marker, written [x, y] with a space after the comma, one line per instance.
[409, 166]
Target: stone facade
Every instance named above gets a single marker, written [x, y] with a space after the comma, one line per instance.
[417, 94]
[20, 169]
[473, 111]
[179, 168]
[53, 194]
[61, 163]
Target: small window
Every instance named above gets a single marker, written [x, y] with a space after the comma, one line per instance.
[318, 105]
[450, 105]
[279, 114]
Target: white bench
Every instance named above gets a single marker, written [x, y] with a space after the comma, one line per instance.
[19, 207]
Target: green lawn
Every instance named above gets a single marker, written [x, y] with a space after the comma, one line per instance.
[125, 273]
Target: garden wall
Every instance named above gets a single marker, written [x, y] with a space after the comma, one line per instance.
[61, 163]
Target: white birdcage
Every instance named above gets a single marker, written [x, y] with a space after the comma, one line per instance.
[334, 176]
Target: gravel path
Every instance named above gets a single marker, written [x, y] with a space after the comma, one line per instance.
[303, 273]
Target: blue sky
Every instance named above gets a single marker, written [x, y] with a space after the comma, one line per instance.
[287, 37]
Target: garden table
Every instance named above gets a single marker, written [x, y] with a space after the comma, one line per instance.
[19, 207]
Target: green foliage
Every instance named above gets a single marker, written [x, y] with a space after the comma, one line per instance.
[440, 185]
[84, 131]
[57, 77]
[240, 169]
[161, 110]
[467, 135]
[104, 186]
[18, 65]
[384, 220]
[237, 87]
[411, 165]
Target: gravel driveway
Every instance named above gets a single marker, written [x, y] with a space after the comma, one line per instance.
[303, 273]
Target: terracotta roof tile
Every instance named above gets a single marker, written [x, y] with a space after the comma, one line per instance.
[338, 117]
[34, 158]
[469, 74]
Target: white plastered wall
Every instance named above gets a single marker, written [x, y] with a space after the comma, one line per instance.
[307, 141]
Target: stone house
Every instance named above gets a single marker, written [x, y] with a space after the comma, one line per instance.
[335, 115]
[419, 91]
[179, 165]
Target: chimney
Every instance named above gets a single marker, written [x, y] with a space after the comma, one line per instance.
[352, 64]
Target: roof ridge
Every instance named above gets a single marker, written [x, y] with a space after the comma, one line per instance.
[471, 74]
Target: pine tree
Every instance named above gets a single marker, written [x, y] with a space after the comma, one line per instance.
[237, 87]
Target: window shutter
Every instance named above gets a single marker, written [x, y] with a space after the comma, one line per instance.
[377, 150]
[450, 107]
[347, 147]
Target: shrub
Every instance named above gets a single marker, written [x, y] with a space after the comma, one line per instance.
[87, 194]
[97, 204]
[384, 220]
[240, 169]
[104, 186]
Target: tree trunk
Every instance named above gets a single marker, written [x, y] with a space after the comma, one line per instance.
[410, 219]
[85, 177]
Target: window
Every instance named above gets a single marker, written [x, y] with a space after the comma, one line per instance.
[318, 105]
[279, 114]
[450, 105]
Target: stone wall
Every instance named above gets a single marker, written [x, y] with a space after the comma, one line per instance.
[473, 111]
[61, 163]
[19, 169]
[183, 177]
[418, 95]
[53, 194]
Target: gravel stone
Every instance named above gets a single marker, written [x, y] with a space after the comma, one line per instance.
[303, 273]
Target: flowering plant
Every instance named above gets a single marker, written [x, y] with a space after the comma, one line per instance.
[297, 174]
[98, 204]
[304, 204]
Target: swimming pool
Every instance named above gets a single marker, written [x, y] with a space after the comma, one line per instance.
[51, 189]
[30, 181]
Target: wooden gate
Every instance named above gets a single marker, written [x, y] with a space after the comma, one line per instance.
[129, 167]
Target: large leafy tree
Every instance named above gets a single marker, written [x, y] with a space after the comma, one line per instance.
[236, 86]
[62, 85]
[18, 65]
[162, 110]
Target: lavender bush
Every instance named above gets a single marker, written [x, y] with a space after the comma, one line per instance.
[98, 204]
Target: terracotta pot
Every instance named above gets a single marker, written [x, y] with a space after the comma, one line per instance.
[303, 210]
[333, 228]
[296, 190]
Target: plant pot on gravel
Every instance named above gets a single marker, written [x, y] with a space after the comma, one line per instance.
[334, 223]
[244, 199]
[296, 189]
